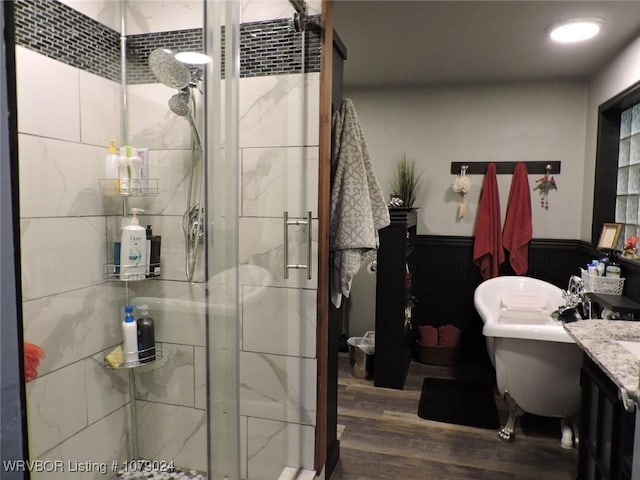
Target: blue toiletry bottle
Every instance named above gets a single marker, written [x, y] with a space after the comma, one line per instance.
[129, 337]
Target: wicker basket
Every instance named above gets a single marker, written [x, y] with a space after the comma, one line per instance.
[597, 284]
[437, 355]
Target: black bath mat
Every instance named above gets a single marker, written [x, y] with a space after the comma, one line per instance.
[461, 402]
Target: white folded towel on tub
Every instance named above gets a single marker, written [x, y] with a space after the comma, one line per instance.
[524, 301]
[523, 308]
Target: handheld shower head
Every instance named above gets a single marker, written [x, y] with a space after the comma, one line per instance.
[180, 104]
[168, 70]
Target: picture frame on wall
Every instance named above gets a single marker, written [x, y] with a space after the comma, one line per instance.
[609, 236]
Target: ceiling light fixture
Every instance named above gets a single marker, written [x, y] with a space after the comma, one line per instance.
[193, 58]
[575, 30]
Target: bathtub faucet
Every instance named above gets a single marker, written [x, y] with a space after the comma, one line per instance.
[574, 294]
[578, 305]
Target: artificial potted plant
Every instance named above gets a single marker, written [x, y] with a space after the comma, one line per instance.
[405, 184]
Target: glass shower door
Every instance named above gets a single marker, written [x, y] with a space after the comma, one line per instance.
[223, 304]
[276, 195]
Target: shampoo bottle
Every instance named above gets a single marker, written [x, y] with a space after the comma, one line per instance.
[143, 153]
[135, 170]
[124, 175]
[146, 336]
[111, 161]
[129, 337]
[133, 249]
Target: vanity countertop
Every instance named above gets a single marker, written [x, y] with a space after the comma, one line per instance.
[598, 338]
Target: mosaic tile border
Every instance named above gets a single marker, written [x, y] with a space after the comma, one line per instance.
[60, 32]
[57, 31]
[273, 47]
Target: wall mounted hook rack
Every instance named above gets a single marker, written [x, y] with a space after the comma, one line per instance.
[507, 168]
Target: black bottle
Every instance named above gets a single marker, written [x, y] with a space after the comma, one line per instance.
[154, 256]
[149, 234]
[146, 336]
[153, 253]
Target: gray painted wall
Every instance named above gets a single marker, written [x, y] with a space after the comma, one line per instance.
[483, 122]
[498, 122]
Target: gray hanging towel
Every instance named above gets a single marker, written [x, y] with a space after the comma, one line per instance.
[358, 207]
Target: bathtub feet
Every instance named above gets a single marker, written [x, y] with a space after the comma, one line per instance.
[508, 432]
[569, 429]
[566, 441]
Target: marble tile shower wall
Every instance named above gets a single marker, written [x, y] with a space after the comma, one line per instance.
[77, 410]
[66, 117]
[171, 395]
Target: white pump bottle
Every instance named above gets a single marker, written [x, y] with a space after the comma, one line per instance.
[133, 249]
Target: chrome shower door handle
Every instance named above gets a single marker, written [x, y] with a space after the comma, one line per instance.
[285, 217]
[286, 263]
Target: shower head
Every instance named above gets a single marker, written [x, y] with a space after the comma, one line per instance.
[168, 70]
[180, 104]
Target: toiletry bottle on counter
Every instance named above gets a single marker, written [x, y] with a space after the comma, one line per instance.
[146, 336]
[133, 249]
[129, 336]
[613, 270]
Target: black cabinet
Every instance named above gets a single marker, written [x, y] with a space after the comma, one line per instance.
[606, 428]
[394, 333]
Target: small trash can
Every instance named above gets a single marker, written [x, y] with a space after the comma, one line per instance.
[361, 355]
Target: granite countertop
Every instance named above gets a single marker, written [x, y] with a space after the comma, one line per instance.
[598, 339]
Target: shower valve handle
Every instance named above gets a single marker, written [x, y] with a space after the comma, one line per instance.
[286, 263]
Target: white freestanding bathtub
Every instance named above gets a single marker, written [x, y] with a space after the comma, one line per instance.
[537, 363]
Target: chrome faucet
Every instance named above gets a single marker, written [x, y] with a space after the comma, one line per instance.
[578, 305]
[574, 294]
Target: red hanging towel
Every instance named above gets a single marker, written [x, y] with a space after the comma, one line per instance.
[518, 230]
[487, 246]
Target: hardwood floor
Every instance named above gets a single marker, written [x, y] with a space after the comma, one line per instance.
[382, 437]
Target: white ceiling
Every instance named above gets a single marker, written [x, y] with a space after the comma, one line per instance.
[397, 42]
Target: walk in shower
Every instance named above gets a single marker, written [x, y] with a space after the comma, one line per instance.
[233, 145]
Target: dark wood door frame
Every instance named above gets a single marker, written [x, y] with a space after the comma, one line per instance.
[324, 177]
